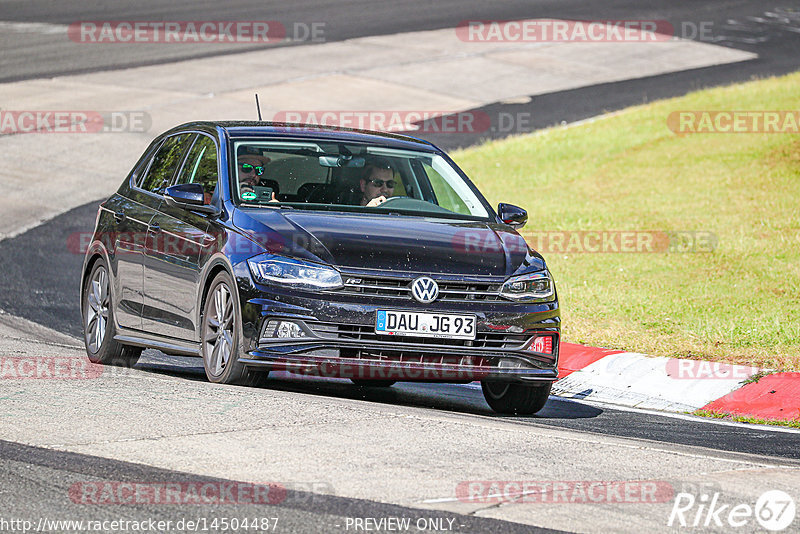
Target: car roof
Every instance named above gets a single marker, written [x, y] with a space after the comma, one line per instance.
[308, 131]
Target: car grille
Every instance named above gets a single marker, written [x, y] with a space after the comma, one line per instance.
[400, 288]
[488, 340]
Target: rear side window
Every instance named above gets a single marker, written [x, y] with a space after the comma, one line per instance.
[165, 163]
[201, 165]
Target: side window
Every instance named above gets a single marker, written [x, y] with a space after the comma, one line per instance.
[165, 163]
[137, 174]
[201, 166]
[446, 196]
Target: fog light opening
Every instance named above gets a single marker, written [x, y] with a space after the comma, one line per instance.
[279, 329]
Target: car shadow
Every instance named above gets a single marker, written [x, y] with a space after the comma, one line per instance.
[460, 398]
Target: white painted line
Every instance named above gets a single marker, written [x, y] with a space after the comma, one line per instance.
[673, 415]
[43, 28]
[682, 416]
[415, 71]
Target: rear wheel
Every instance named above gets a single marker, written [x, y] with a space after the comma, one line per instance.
[98, 322]
[520, 399]
[221, 335]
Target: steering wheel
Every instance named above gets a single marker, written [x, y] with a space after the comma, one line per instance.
[390, 199]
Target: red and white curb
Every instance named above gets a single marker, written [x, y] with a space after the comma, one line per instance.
[674, 385]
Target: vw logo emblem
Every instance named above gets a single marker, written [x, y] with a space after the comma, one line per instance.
[425, 289]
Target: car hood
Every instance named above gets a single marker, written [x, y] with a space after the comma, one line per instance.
[390, 243]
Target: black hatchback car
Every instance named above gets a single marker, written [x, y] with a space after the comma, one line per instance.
[315, 250]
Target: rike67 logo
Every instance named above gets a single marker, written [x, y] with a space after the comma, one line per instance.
[774, 511]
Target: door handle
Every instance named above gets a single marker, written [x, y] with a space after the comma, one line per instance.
[119, 216]
[154, 228]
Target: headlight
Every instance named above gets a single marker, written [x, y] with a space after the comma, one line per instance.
[269, 268]
[532, 287]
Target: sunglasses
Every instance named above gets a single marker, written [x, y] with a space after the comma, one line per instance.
[246, 167]
[379, 183]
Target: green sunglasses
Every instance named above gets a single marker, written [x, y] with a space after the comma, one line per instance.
[246, 167]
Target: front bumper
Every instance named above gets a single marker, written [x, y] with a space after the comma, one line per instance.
[365, 369]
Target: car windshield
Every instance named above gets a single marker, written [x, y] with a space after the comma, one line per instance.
[348, 177]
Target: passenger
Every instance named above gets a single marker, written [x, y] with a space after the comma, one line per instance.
[377, 183]
[250, 168]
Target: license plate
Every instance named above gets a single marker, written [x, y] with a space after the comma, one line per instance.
[444, 325]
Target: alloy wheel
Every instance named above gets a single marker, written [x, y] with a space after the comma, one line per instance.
[219, 330]
[97, 310]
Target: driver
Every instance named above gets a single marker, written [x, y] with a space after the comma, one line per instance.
[377, 183]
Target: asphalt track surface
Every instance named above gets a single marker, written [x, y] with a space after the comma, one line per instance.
[771, 32]
[42, 479]
[40, 283]
[41, 269]
[343, 20]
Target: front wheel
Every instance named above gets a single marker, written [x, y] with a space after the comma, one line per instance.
[518, 399]
[98, 322]
[221, 335]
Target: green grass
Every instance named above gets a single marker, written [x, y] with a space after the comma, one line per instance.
[739, 303]
[744, 419]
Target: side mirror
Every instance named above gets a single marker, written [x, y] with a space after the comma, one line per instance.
[512, 215]
[189, 197]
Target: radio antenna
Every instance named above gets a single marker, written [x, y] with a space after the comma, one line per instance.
[258, 108]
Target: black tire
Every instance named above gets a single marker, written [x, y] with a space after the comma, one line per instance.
[365, 383]
[97, 315]
[516, 399]
[221, 347]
